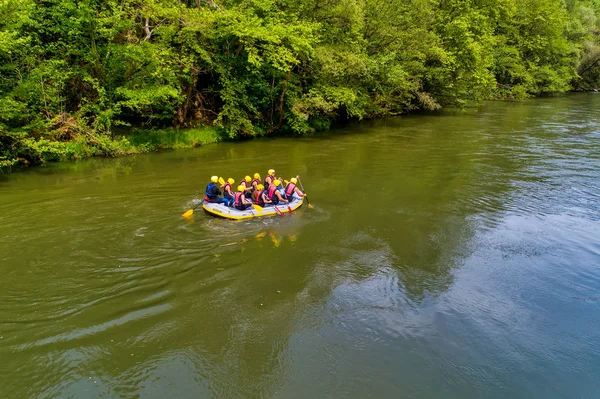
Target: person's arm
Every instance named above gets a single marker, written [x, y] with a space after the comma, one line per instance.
[300, 193]
[266, 200]
[278, 194]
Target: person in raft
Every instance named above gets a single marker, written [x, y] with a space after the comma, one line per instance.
[239, 199]
[255, 182]
[227, 191]
[274, 195]
[291, 188]
[213, 194]
[269, 178]
[260, 196]
[247, 187]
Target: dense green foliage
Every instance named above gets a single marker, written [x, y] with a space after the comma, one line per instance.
[72, 71]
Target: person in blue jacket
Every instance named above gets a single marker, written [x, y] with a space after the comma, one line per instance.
[213, 194]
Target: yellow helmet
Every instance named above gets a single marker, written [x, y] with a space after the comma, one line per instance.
[260, 187]
[230, 180]
[271, 171]
[214, 179]
[277, 183]
[257, 176]
[241, 188]
[294, 180]
[248, 179]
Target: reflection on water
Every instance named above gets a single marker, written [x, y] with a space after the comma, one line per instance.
[448, 255]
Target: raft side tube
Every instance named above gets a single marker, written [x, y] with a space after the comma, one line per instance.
[235, 214]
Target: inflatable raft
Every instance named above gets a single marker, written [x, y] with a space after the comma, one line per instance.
[235, 214]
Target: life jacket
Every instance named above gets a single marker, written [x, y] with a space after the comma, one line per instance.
[254, 181]
[209, 188]
[271, 192]
[268, 183]
[237, 199]
[225, 193]
[258, 197]
[243, 183]
[289, 190]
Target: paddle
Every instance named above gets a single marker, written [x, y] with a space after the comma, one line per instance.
[221, 181]
[305, 196]
[190, 212]
[257, 207]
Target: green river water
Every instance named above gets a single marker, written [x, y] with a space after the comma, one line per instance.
[451, 255]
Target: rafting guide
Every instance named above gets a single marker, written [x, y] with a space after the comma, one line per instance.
[213, 194]
[251, 198]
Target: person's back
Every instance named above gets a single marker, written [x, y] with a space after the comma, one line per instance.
[291, 188]
[227, 190]
[273, 193]
[269, 178]
[259, 196]
[213, 192]
[247, 187]
[255, 182]
[239, 199]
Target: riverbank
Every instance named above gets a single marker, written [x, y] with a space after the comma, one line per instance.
[127, 142]
[138, 141]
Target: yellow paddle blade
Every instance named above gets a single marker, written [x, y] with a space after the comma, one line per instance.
[188, 213]
[307, 203]
[286, 182]
[258, 208]
[221, 181]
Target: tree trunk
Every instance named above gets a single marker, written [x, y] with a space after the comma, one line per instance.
[281, 103]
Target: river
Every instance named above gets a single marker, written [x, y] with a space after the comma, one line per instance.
[453, 255]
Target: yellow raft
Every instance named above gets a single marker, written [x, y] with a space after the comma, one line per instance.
[235, 214]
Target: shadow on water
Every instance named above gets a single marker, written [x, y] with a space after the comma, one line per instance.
[108, 292]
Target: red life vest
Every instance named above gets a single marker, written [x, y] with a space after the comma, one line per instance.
[237, 198]
[258, 197]
[243, 183]
[254, 182]
[271, 192]
[289, 189]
